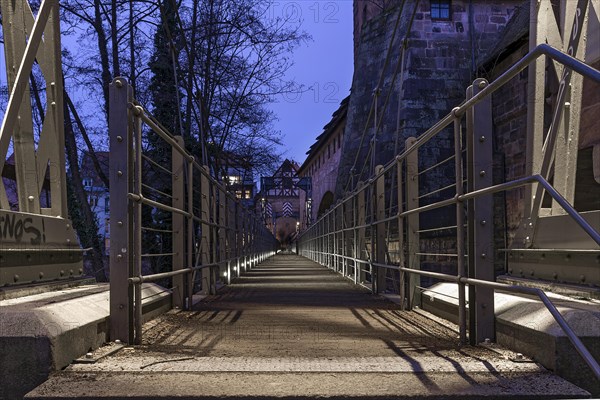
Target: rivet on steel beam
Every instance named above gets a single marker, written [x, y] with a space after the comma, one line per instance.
[41, 275]
[483, 222]
[68, 226]
[482, 139]
[532, 273]
[118, 83]
[70, 272]
[119, 256]
[555, 275]
[567, 104]
[62, 272]
[119, 173]
[582, 278]
[16, 278]
[483, 255]
[119, 138]
[53, 104]
[120, 223]
[30, 198]
[68, 241]
[481, 173]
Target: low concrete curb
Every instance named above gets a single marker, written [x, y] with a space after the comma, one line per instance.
[524, 325]
[45, 332]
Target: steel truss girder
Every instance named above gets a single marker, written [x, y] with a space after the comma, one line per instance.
[553, 153]
[36, 243]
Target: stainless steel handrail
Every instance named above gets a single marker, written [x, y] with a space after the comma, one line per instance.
[314, 239]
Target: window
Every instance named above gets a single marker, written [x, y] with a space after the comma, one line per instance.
[440, 10]
[106, 204]
[234, 179]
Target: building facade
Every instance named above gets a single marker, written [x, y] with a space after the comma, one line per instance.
[279, 202]
[321, 168]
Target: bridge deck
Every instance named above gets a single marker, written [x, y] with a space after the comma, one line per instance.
[291, 328]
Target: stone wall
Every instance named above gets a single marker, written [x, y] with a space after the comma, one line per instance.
[439, 61]
[323, 169]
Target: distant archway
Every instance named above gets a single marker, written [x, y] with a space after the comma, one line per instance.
[326, 202]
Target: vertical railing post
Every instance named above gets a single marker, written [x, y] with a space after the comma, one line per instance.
[332, 239]
[412, 223]
[121, 254]
[353, 238]
[246, 250]
[189, 278]
[179, 170]
[137, 225]
[222, 231]
[238, 238]
[480, 219]
[402, 259]
[379, 280]
[344, 238]
[214, 231]
[460, 229]
[205, 245]
[360, 242]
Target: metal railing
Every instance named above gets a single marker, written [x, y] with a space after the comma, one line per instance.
[373, 235]
[170, 216]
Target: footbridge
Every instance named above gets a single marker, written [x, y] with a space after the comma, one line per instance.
[377, 301]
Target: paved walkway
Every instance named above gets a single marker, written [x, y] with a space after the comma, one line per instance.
[291, 328]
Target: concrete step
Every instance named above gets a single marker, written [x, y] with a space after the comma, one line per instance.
[524, 325]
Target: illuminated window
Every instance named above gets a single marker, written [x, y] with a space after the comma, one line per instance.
[238, 194]
[440, 10]
[248, 195]
[233, 179]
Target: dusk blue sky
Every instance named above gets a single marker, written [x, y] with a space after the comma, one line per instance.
[324, 66]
